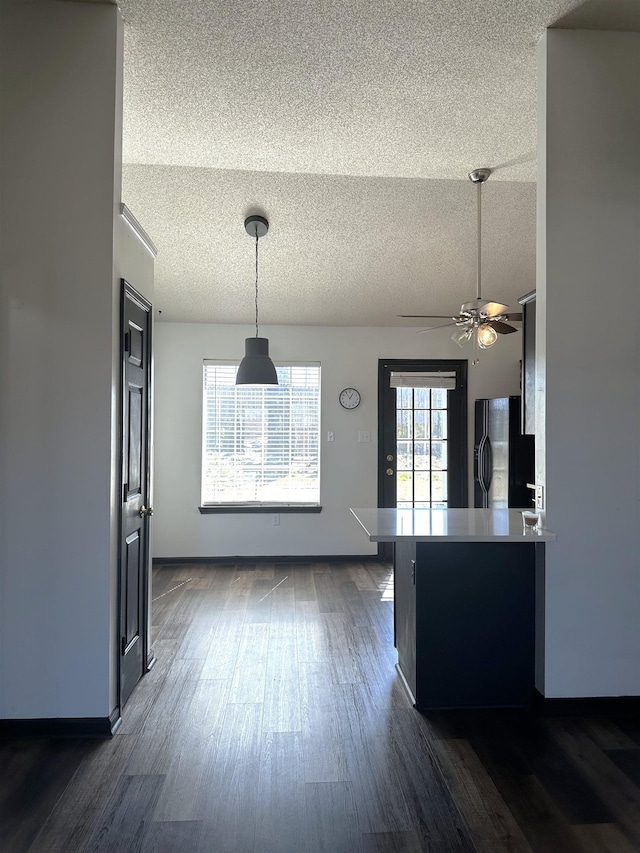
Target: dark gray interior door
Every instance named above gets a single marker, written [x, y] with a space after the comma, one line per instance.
[135, 514]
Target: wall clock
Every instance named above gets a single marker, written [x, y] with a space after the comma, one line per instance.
[349, 398]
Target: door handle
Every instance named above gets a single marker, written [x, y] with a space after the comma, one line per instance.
[145, 511]
[390, 472]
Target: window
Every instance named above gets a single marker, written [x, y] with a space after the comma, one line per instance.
[261, 444]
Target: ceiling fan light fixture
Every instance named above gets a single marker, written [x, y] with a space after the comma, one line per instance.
[462, 335]
[480, 320]
[487, 336]
[256, 368]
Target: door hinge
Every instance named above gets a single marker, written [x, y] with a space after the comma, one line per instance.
[413, 571]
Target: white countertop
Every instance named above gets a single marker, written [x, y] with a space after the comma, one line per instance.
[451, 525]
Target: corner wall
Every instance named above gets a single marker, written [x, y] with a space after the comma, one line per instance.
[59, 172]
[349, 357]
[588, 347]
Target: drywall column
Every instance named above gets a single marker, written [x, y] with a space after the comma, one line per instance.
[588, 299]
[61, 83]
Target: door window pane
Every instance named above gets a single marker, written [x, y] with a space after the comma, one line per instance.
[421, 424]
[404, 449]
[439, 454]
[420, 398]
[404, 424]
[438, 398]
[439, 488]
[405, 486]
[404, 398]
[421, 456]
[439, 424]
[422, 483]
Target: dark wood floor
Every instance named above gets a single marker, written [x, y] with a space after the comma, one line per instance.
[274, 721]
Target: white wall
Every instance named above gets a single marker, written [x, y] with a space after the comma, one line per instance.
[132, 260]
[588, 302]
[349, 357]
[59, 167]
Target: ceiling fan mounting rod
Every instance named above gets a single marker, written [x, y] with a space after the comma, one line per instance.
[479, 176]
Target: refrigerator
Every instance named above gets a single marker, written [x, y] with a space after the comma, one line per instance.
[503, 457]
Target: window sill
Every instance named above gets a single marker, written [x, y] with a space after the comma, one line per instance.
[280, 508]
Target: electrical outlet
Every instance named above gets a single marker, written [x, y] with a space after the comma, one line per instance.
[275, 520]
[364, 436]
[540, 498]
[331, 436]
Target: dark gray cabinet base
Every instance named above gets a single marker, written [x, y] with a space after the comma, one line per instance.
[465, 622]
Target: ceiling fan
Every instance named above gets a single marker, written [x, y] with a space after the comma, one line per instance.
[480, 319]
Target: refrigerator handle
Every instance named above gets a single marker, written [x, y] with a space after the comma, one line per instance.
[488, 472]
[480, 463]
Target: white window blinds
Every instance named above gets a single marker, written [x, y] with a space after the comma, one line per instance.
[441, 379]
[261, 445]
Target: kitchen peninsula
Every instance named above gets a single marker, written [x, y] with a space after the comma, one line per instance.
[469, 590]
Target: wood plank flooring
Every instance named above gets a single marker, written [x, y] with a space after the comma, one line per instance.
[274, 722]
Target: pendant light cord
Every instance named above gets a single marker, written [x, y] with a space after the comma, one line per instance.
[256, 281]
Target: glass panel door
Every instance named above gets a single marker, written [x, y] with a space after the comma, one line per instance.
[422, 437]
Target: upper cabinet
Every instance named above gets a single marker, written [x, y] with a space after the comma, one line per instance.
[528, 381]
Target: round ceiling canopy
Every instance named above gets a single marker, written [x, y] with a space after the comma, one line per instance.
[256, 226]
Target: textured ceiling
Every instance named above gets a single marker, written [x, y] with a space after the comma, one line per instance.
[351, 126]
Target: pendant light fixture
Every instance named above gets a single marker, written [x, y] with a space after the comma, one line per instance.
[256, 368]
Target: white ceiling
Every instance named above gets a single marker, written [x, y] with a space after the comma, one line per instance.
[351, 126]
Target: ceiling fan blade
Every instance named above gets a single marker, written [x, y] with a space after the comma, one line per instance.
[433, 328]
[427, 316]
[492, 309]
[500, 327]
[515, 317]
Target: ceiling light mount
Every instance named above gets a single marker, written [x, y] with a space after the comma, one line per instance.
[479, 176]
[256, 226]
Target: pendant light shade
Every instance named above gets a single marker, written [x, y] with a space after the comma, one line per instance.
[256, 368]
